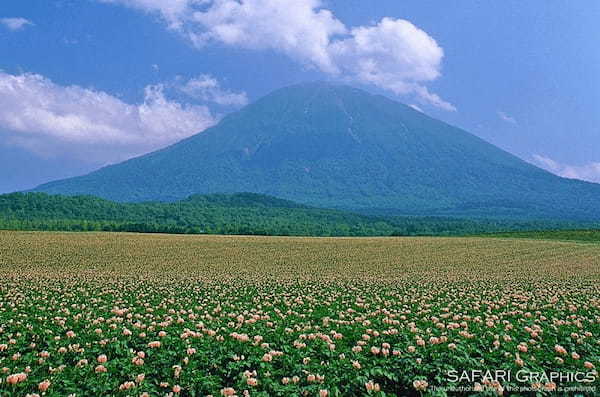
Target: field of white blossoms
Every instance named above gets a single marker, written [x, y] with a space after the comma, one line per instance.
[153, 315]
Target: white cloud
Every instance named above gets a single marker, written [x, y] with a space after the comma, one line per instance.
[588, 172]
[52, 119]
[208, 89]
[433, 99]
[505, 117]
[15, 24]
[393, 54]
[299, 28]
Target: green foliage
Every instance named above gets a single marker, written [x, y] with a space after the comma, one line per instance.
[101, 314]
[242, 213]
[338, 147]
[589, 236]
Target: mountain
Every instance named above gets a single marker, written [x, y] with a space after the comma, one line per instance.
[335, 146]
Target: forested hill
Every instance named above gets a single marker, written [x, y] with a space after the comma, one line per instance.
[241, 213]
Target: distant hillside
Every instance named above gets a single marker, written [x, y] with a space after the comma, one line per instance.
[242, 213]
[334, 146]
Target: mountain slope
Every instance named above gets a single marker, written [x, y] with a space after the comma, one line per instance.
[339, 147]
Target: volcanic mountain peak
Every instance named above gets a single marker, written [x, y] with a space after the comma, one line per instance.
[335, 146]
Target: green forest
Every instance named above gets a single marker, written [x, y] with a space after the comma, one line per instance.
[241, 213]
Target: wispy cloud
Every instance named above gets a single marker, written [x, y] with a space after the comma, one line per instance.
[392, 54]
[505, 117]
[207, 88]
[588, 172]
[52, 119]
[15, 24]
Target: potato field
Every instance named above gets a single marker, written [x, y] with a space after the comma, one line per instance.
[109, 314]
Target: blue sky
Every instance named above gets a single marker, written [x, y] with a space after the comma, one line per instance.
[84, 83]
